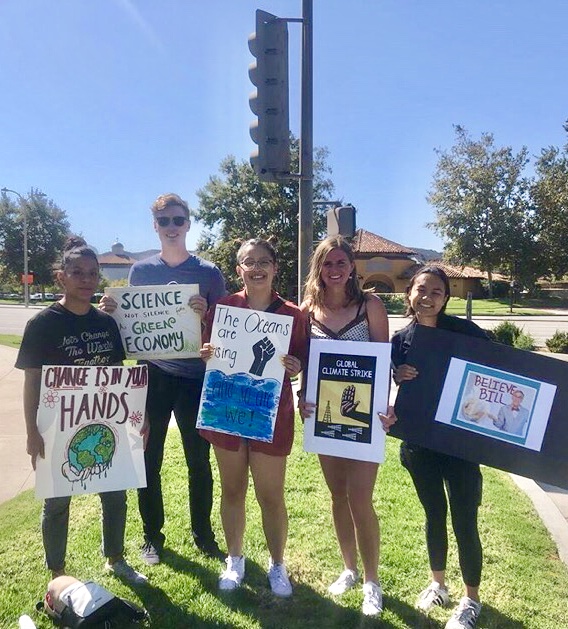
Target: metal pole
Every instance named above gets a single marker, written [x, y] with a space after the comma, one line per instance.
[26, 283]
[306, 222]
[25, 217]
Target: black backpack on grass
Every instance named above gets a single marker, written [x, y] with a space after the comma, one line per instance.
[71, 604]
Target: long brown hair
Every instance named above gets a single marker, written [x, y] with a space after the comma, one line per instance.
[314, 288]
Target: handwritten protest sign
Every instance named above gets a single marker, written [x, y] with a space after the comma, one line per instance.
[156, 321]
[243, 379]
[349, 383]
[90, 420]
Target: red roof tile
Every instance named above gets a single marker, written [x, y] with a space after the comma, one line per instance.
[366, 242]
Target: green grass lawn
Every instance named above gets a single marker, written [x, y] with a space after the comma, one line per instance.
[11, 340]
[524, 583]
[496, 307]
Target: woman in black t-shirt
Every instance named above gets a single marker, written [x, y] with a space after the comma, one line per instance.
[72, 332]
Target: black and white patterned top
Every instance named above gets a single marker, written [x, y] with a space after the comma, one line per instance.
[356, 330]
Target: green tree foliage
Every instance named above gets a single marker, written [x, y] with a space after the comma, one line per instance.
[236, 205]
[550, 198]
[482, 206]
[47, 229]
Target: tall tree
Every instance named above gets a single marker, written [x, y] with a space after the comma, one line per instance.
[550, 199]
[47, 228]
[482, 205]
[236, 205]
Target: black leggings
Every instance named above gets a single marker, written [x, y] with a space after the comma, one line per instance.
[430, 472]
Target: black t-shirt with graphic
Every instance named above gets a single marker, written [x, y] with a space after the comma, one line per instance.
[56, 336]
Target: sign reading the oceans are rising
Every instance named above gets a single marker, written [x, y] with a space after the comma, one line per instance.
[243, 379]
[90, 420]
[157, 322]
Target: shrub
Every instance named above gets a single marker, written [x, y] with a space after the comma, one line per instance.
[510, 334]
[501, 289]
[525, 341]
[558, 343]
[507, 333]
[394, 302]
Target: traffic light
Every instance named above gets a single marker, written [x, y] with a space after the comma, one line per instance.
[271, 130]
[341, 221]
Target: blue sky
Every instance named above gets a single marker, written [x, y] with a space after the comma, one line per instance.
[108, 103]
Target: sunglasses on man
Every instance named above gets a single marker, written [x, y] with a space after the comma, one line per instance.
[164, 221]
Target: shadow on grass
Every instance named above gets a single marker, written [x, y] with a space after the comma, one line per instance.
[165, 613]
[308, 608]
[490, 618]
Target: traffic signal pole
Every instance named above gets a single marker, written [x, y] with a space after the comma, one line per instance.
[270, 131]
[306, 208]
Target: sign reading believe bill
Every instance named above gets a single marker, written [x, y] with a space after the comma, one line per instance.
[487, 403]
[349, 383]
[156, 322]
[243, 379]
[90, 420]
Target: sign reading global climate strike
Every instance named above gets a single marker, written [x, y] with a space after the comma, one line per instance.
[243, 379]
[156, 321]
[90, 420]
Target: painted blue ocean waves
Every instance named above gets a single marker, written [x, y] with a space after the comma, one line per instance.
[240, 404]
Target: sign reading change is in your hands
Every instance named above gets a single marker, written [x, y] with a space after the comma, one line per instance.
[243, 379]
[90, 420]
[156, 321]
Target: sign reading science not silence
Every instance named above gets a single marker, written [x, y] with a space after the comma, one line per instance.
[156, 321]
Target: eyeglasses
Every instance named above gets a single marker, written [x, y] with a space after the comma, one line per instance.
[164, 221]
[264, 264]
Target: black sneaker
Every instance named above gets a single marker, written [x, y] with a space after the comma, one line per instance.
[150, 554]
[210, 549]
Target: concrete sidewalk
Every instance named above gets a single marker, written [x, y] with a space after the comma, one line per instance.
[16, 472]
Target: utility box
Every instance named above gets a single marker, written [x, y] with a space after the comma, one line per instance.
[341, 221]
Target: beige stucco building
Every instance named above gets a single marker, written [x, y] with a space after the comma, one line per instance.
[387, 266]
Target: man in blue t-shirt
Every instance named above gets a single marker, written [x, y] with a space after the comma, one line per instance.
[175, 385]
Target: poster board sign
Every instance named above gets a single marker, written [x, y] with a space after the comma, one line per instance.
[156, 322]
[243, 380]
[349, 383]
[90, 420]
[462, 404]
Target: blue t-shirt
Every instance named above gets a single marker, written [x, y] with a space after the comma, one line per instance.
[194, 270]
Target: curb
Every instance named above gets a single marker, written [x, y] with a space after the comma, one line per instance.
[548, 512]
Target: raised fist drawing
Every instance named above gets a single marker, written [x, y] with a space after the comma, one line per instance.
[348, 407]
[263, 351]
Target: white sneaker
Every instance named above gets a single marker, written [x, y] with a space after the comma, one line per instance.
[372, 599]
[465, 615]
[278, 578]
[346, 580]
[433, 595]
[126, 572]
[233, 574]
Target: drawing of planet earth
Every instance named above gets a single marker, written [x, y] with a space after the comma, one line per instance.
[92, 448]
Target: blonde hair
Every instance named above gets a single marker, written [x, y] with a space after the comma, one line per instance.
[314, 288]
[164, 201]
